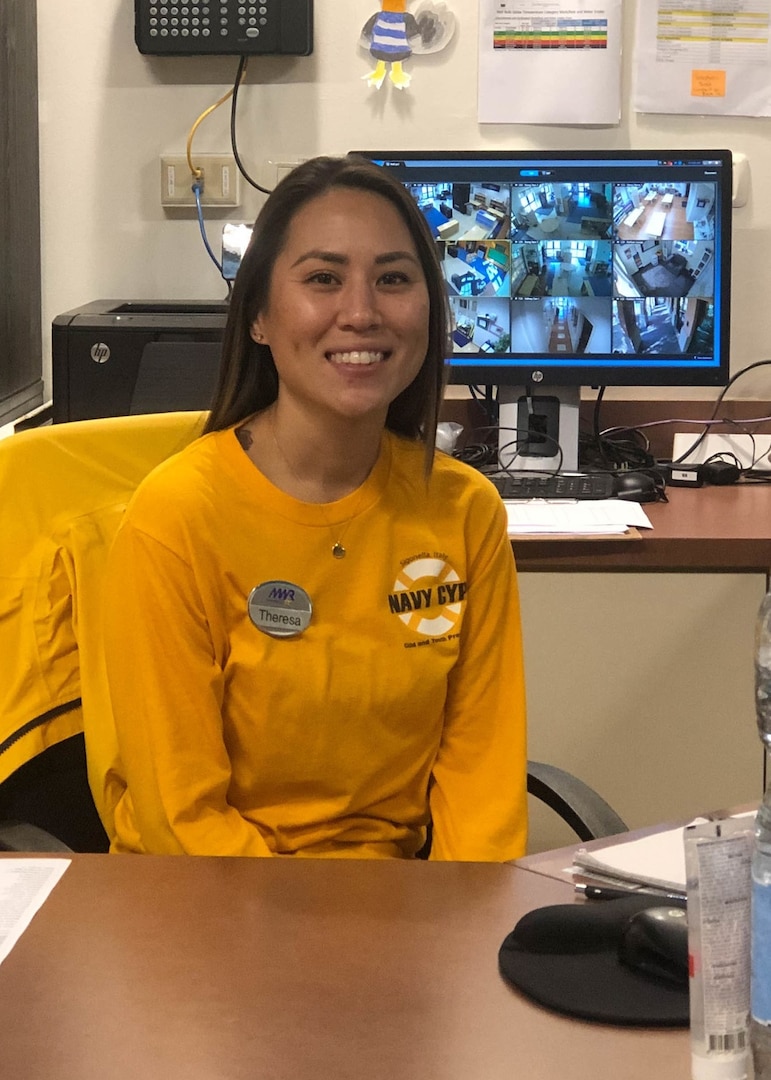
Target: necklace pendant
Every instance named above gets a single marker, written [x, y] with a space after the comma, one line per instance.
[338, 551]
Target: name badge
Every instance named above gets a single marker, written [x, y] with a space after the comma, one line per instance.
[280, 609]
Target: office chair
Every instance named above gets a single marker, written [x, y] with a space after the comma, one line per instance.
[74, 825]
[69, 485]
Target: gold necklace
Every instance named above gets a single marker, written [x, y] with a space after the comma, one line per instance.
[338, 549]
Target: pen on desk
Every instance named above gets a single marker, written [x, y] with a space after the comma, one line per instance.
[603, 892]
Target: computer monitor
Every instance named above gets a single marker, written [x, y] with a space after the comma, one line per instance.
[576, 268]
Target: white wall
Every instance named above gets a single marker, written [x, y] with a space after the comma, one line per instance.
[108, 113]
[641, 683]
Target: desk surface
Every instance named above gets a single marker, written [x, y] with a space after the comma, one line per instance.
[173, 968]
[712, 529]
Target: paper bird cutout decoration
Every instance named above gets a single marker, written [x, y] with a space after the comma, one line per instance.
[393, 34]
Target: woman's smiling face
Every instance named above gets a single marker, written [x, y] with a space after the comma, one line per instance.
[348, 306]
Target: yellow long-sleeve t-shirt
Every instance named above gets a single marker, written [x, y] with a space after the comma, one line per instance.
[403, 696]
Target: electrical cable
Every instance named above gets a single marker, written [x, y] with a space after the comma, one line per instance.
[633, 451]
[233, 140]
[604, 439]
[724, 391]
[713, 420]
[197, 195]
[197, 185]
[486, 457]
[486, 398]
[476, 454]
[727, 420]
[596, 426]
[195, 172]
[520, 448]
[494, 452]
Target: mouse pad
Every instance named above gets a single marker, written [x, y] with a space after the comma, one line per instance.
[565, 957]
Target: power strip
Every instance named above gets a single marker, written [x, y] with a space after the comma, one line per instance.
[751, 451]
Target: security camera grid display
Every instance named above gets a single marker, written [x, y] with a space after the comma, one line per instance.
[575, 268]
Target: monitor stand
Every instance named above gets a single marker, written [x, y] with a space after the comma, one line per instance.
[535, 426]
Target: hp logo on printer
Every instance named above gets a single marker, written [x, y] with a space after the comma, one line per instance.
[100, 353]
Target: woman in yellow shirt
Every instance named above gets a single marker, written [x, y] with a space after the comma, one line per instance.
[317, 644]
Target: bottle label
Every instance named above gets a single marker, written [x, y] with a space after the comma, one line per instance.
[723, 916]
[760, 992]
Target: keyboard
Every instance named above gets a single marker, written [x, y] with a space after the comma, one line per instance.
[531, 485]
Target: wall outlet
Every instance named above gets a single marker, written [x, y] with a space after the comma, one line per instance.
[750, 451]
[283, 168]
[220, 180]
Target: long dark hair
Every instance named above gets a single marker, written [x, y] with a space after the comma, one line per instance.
[248, 381]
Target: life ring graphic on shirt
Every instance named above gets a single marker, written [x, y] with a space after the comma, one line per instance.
[424, 584]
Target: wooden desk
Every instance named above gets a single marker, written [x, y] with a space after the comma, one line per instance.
[709, 529]
[175, 968]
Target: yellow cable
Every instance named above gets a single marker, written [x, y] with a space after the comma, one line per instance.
[194, 172]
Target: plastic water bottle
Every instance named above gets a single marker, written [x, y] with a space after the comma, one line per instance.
[760, 993]
[763, 671]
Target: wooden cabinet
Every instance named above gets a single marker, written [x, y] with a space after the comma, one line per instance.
[21, 382]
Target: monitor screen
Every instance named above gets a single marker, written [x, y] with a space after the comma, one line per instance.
[592, 267]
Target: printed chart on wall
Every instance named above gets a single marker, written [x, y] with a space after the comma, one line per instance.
[703, 56]
[549, 62]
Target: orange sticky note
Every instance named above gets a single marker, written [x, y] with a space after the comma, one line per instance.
[707, 84]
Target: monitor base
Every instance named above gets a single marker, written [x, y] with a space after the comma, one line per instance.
[538, 430]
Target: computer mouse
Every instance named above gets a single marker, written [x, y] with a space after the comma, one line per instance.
[635, 487]
[655, 942]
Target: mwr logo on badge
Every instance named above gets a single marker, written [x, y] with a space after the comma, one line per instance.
[280, 609]
[428, 596]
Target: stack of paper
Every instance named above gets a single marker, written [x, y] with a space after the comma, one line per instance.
[650, 862]
[587, 517]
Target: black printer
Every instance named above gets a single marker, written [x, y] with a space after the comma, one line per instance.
[118, 357]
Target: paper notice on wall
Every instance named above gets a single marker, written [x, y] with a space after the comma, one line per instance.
[549, 62]
[703, 56]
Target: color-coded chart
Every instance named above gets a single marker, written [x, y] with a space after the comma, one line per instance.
[514, 32]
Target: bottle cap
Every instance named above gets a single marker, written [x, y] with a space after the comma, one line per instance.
[720, 1066]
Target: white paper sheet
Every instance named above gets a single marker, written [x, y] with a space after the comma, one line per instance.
[657, 860]
[587, 517]
[549, 62]
[704, 57]
[25, 885]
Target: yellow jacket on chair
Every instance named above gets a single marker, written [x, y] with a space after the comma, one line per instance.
[63, 490]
